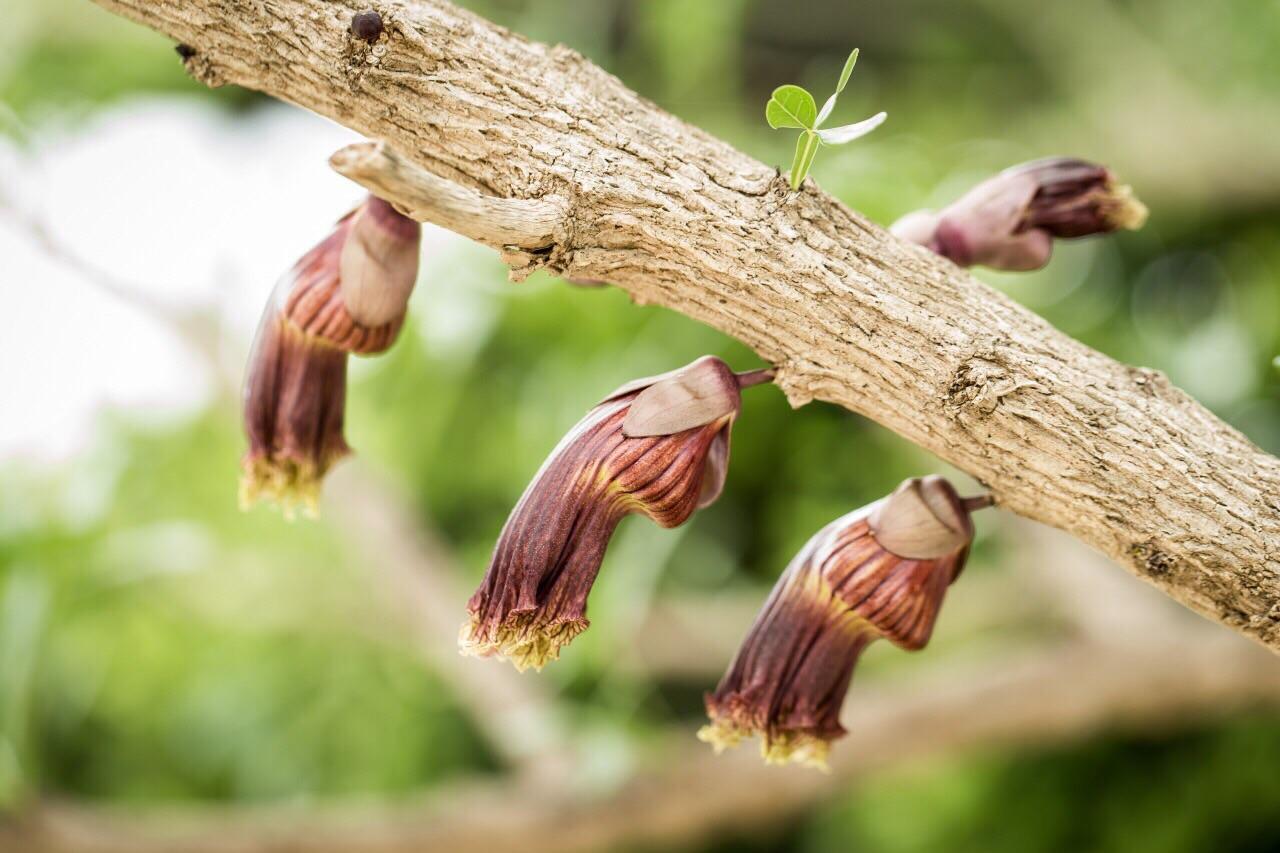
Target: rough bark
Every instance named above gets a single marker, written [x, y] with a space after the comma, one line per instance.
[1059, 432]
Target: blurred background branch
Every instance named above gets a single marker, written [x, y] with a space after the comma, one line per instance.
[1186, 670]
[420, 580]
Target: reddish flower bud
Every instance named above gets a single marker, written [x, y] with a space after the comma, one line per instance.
[880, 571]
[1009, 221]
[347, 295]
[657, 446]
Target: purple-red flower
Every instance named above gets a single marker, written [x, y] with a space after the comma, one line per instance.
[880, 571]
[346, 295]
[1008, 222]
[657, 446]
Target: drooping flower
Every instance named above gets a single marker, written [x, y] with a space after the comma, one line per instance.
[346, 295]
[880, 571]
[657, 446]
[1009, 222]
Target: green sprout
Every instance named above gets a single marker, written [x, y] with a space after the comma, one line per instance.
[793, 106]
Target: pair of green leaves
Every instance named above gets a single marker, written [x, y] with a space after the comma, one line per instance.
[793, 106]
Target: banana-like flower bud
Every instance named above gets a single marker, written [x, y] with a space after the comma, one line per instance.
[1008, 222]
[657, 446]
[880, 571]
[346, 295]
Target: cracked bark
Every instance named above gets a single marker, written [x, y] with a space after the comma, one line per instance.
[1059, 432]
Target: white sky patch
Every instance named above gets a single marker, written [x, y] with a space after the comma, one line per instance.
[195, 207]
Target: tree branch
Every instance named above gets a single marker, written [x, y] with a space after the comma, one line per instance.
[503, 223]
[1060, 433]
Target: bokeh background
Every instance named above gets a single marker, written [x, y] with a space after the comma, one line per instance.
[178, 675]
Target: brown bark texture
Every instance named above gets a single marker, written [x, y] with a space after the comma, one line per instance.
[536, 151]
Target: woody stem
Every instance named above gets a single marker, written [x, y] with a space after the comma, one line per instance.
[977, 502]
[754, 377]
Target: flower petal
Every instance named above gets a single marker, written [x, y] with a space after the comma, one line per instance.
[533, 598]
[704, 392]
[716, 470]
[840, 593]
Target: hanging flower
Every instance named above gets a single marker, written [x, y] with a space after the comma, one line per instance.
[346, 295]
[657, 446]
[1008, 222]
[880, 571]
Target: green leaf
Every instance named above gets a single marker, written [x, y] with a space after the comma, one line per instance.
[844, 81]
[806, 149]
[791, 106]
[826, 110]
[850, 132]
[848, 69]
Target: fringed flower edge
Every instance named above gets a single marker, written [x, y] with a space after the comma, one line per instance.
[521, 638]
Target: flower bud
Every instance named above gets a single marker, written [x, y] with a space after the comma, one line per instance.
[880, 571]
[657, 446]
[1009, 221]
[347, 295]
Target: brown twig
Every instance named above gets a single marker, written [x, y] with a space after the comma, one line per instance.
[749, 378]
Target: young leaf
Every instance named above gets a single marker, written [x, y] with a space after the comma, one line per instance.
[791, 106]
[848, 69]
[830, 105]
[826, 110]
[850, 132]
[806, 148]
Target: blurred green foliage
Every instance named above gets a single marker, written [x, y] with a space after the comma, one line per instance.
[170, 647]
[59, 57]
[156, 644]
[1002, 804]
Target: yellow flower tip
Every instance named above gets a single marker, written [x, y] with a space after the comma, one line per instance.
[522, 641]
[722, 735]
[782, 748]
[796, 748]
[290, 485]
[1124, 210]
